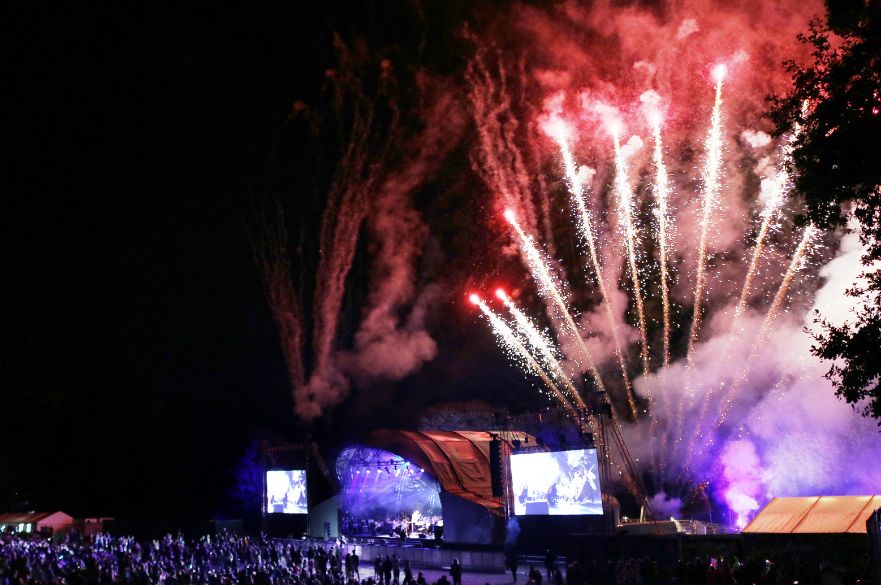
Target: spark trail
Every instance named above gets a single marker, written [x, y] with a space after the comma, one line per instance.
[708, 203]
[548, 287]
[498, 159]
[662, 194]
[775, 189]
[768, 216]
[509, 340]
[541, 344]
[269, 240]
[794, 266]
[625, 207]
[709, 200]
[557, 129]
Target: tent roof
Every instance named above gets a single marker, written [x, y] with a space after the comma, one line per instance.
[27, 517]
[815, 514]
[459, 460]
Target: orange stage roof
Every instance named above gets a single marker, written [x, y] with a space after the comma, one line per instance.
[458, 460]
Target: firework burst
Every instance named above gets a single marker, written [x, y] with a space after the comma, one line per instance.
[537, 351]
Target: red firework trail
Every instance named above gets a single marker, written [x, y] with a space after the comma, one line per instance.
[541, 344]
[509, 340]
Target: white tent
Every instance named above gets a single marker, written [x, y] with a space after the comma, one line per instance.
[815, 515]
[51, 522]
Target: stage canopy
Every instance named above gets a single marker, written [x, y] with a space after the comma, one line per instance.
[458, 460]
[814, 515]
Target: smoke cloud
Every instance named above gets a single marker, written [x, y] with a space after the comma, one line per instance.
[391, 341]
[665, 506]
[787, 435]
[614, 67]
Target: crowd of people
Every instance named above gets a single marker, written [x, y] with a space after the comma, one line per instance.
[712, 570]
[226, 559]
[174, 560]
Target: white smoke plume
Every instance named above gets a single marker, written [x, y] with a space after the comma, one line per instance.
[688, 27]
[665, 506]
[755, 138]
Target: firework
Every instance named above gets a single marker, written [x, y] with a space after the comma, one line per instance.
[549, 286]
[662, 193]
[540, 343]
[625, 209]
[708, 203]
[509, 339]
[776, 188]
[794, 266]
[558, 130]
[728, 400]
[545, 353]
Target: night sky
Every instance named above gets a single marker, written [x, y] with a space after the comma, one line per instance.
[138, 356]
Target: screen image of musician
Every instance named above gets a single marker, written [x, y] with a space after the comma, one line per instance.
[286, 491]
[557, 483]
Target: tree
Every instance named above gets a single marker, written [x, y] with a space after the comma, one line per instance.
[835, 103]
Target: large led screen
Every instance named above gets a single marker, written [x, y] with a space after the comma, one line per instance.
[286, 491]
[559, 483]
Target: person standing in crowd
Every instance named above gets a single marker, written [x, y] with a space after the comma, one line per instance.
[572, 571]
[726, 576]
[535, 575]
[511, 563]
[712, 575]
[456, 572]
[396, 567]
[387, 569]
[549, 563]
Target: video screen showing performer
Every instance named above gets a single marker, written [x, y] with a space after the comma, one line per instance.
[286, 491]
[559, 483]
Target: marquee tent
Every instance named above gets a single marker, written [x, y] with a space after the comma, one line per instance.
[815, 515]
[35, 522]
